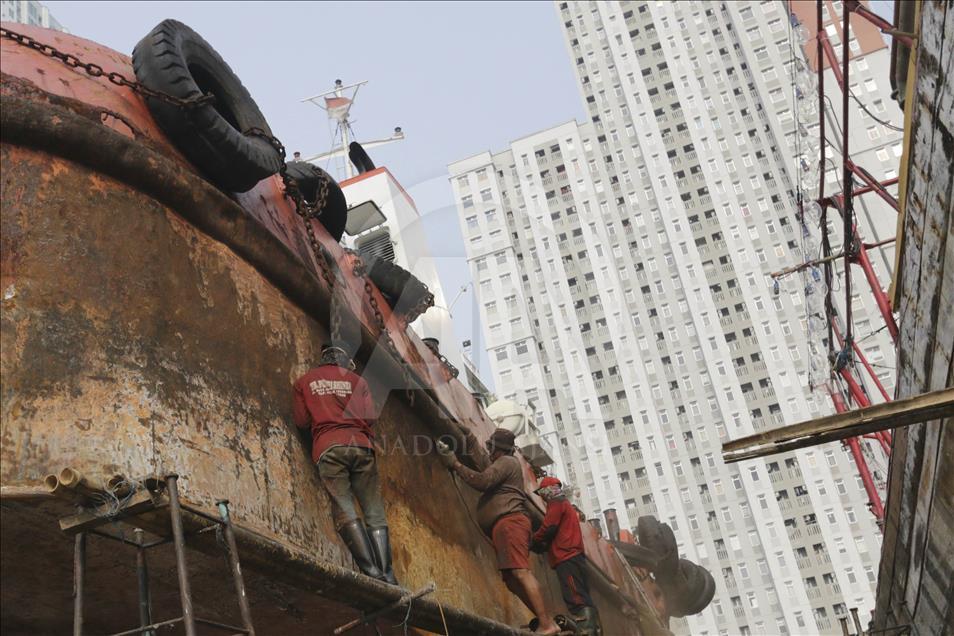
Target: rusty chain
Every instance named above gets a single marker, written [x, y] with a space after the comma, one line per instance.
[95, 70]
[389, 342]
[307, 211]
[361, 271]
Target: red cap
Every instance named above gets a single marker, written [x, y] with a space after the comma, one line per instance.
[549, 481]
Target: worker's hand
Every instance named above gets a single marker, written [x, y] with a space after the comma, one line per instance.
[445, 454]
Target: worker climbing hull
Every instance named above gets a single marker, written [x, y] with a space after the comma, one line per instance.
[153, 324]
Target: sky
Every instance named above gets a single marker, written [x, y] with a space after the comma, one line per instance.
[459, 78]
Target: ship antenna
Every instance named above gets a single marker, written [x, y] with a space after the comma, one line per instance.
[337, 102]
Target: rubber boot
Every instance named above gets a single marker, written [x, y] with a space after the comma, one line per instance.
[588, 622]
[356, 538]
[381, 543]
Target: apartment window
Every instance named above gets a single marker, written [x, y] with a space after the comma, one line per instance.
[753, 603]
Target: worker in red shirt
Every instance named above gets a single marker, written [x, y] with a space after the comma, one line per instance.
[337, 406]
[560, 537]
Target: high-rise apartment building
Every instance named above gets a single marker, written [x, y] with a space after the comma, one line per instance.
[622, 270]
[28, 12]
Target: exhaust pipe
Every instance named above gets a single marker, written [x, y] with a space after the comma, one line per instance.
[72, 479]
[597, 523]
[612, 524]
[118, 486]
[58, 490]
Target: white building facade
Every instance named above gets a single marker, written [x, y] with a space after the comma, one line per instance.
[28, 12]
[622, 270]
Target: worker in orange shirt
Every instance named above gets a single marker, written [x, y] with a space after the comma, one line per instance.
[560, 537]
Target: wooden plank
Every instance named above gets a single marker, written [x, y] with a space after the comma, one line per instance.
[139, 503]
[921, 408]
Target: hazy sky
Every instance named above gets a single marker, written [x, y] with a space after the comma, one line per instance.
[459, 78]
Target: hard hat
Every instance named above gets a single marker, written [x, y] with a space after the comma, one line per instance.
[549, 481]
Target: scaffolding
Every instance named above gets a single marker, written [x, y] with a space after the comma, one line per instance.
[838, 358]
[132, 510]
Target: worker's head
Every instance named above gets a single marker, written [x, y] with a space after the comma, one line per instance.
[331, 354]
[550, 488]
[501, 443]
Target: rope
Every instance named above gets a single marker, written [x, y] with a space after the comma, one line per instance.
[440, 608]
[407, 617]
[467, 508]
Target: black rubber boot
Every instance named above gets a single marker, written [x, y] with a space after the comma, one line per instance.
[356, 538]
[381, 543]
[588, 622]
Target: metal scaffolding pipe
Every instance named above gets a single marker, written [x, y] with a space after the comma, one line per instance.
[178, 539]
[886, 27]
[881, 298]
[873, 185]
[848, 211]
[874, 499]
[79, 581]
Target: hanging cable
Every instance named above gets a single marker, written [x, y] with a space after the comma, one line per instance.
[872, 115]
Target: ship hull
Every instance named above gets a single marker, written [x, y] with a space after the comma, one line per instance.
[152, 325]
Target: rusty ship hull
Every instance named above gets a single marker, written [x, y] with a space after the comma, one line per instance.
[152, 324]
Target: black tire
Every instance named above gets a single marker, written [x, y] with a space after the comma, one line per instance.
[689, 590]
[402, 291]
[659, 538]
[700, 601]
[175, 60]
[695, 582]
[334, 216]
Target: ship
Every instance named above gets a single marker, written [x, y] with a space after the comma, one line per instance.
[166, 276]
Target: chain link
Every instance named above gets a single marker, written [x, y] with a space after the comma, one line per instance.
[95, 70]
[361, 271]
[389, 342]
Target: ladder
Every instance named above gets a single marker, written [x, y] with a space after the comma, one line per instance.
[90, 521]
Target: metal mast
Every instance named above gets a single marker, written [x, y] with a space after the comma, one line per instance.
[337, 103]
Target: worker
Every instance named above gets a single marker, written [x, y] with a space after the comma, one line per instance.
[560, 537]
[502, 515]
[336, 404]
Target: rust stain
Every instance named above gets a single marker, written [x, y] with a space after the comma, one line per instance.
[135, 344]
